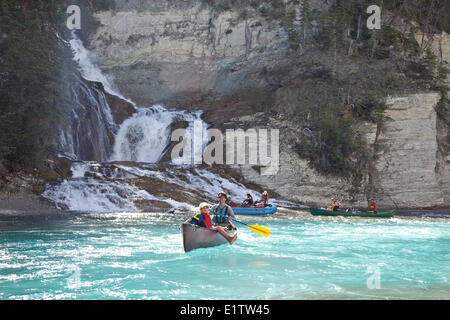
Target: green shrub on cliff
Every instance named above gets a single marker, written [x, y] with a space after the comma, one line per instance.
[327, 111]
[362, 67]
[335, 145]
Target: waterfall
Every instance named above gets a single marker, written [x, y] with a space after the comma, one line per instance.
[92, 139]
[89, 68]
[93, 134]
[144, 136]
[92, 127]
[90, 132]
[98, 187]
[96, 143]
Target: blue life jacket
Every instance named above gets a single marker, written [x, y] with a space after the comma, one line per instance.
[224, 212]
[199, 220]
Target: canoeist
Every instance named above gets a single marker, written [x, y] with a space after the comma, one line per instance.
[204, 220]
[248, 202]
[265, 198]
[373, 206]
[223, 209]
[334, 205]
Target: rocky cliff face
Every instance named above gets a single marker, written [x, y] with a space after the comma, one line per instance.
[170, 51]
[407, 169]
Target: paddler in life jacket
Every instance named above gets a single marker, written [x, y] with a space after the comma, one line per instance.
[248, 201]
[373, 206]
[223, 209]
[204, 220]
[334, 205]
[264, 198]
[231, 203]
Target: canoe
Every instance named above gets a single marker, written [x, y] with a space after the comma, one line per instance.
[322, 212]
[255, 211]
[195, 237]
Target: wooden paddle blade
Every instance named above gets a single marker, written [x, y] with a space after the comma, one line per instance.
[260, 230]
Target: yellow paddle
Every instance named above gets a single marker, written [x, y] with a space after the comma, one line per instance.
[257, 229]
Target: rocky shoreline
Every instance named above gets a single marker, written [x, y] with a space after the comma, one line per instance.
[27, 205]
[31, 205]
[21, 193]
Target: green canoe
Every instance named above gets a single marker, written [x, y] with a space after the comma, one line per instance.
[322, 212]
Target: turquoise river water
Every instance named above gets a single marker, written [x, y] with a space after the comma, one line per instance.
[140, 256]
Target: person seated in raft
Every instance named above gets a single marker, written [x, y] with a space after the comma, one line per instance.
[223, 209]
[231, 203]
[248, 202]
[264, 198]
[204, 220]
[334, 205]
[373, 206]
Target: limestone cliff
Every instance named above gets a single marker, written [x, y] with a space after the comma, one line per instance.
[165, 51]
[408, 171]
[407, 168]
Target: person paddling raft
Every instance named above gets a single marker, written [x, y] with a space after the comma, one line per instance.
[204, 220]
[373, 206]
[231, 203]
[248, 201]
[264, 198]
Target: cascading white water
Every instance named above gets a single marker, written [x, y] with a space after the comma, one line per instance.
[141, 138]
[110, 187]
[89, 69]
[89, 131]
[144, 136]
[93, 195]
[96, 187]
[92, 124]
